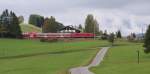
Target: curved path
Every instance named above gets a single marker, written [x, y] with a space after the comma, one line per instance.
[96, 61]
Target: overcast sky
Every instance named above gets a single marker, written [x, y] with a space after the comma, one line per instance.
[112, 15]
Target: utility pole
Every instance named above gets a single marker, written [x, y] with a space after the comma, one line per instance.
[138, 56]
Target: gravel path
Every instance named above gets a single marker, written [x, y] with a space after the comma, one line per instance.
[96, 61]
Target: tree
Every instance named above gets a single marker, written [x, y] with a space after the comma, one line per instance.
[80, 28]
[104, 35]
[15, 29]
[21, 19]
[147, 41]
[118, 34]
[3, 31]
[134, 35]
[111, 38]
[36, 20]
[45, 28]
[51, 25]
[9, 25]
[105, 32]
[91, 25]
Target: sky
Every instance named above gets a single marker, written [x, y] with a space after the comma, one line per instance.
[112, 15]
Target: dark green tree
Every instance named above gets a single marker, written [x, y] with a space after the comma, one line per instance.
[36, 20]
[80, 27]
[9, 25]
[134, 35]
[118, 34]
[147, 41]
[91, 25]
[104, 35]
[111, 38]
[105, 32]
[14, 27]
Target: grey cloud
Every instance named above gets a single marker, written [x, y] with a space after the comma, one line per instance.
[75, 11]
[127, 23]
[62, 6]
[105, 3]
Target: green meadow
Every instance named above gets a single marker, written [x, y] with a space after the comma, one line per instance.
[35, 57]
[122, 59]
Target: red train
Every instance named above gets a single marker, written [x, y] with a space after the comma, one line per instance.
[58, 35]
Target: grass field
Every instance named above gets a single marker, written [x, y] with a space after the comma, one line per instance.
[122, 59]
[35, 57]
[29, 28]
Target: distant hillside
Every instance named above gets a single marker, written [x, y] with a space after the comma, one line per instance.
[30, 28]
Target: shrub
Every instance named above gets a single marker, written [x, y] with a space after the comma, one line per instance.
[49, 40]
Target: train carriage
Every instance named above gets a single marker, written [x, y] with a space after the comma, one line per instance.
[58, 35]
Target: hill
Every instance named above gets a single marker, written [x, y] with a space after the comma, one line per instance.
[30, 28]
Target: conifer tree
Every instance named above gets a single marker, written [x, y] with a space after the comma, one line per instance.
[118, 34]
[10, 25]
[147, 41]
[15, 28]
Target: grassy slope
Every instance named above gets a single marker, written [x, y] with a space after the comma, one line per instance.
[70, 55]
[122, 59]
[29, 28]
